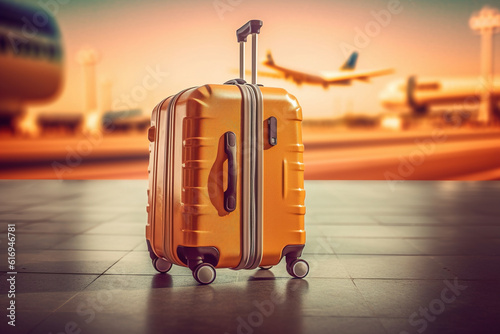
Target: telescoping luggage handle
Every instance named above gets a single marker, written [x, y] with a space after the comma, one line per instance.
[252, 27]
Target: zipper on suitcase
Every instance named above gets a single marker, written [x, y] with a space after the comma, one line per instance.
[246, 215]
[167, 186]
[252, 178]
[258, 176]
[153, 188]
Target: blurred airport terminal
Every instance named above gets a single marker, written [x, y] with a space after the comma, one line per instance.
[390, 90]
[79, 80]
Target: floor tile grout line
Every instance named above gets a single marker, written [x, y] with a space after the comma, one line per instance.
[67, 301]
[414, 255]
[83, 231]
[368, 303]
[79, 292]
[375, 219]
[281, 277]
[352, 281]
[413, 238]
[130, 251]
[335, 224]
[84, 250]
[425, 279]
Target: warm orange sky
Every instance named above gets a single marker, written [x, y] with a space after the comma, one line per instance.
[194, 45]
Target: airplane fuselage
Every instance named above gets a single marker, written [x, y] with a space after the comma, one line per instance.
[296, 76]
[418, 95]
[30, 59]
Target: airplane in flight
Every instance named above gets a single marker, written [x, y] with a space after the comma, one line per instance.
[344, 76]
[418, 96]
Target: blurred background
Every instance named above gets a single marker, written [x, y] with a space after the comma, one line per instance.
[391, 90]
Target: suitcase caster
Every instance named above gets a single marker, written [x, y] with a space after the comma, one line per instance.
[204, 273]
[161, 265]
[298, 268]
[265, 267]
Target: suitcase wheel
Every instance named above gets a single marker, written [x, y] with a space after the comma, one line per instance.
[204, 273]
[265, 267]
[161, 265]
[298, 268]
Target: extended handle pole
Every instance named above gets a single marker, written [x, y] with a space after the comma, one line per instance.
[254, 59]
[252, 27]
[242, 60]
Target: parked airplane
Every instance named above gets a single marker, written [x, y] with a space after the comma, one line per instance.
[419, 95]
[344, 76]
[31, 67]
[30, 61]
[125, 120]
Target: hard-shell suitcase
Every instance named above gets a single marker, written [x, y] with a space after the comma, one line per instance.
[226, 177]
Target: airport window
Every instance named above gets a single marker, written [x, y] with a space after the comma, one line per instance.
[22, 49]
[36, 49]
[58, 52]
[3, 44]
[43, 50]
[14, 46]
[12, 43]
[17, 48]
[428, 86]
[51, 52]
[27, 49]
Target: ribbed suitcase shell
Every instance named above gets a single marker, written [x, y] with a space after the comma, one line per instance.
[189, 184]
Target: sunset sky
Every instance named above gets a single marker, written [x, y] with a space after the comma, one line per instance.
[196, 44]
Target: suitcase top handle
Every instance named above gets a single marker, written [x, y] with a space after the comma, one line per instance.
[252, 27]
[249, 28]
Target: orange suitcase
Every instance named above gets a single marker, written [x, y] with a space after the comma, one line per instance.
[226, 177]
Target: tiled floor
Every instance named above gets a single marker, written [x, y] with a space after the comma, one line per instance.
[421, 258]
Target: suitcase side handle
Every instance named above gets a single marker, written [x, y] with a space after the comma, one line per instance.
[252, 27]
[232, 171]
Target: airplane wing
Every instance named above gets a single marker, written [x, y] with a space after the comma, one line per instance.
[296, 76]
[364, 75]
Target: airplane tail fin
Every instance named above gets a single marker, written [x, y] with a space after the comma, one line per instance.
[269, 58]
[350, 63]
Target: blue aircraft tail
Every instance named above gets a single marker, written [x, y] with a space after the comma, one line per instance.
[350, 63]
